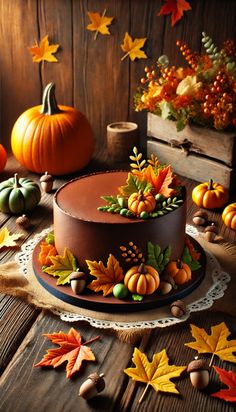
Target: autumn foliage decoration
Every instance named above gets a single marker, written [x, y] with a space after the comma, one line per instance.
[176, 8]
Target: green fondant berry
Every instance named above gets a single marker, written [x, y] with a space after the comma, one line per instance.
[159, 197]
[123, 212]
[120, 291]
[144, 215]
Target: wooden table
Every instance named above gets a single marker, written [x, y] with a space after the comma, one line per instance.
[25, 388]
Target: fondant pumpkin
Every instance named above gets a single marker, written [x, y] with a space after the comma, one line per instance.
[18, 196]
[141, 202]
[179, 271]
[142, 279]
[229, 216]
[51, 137]
[3, 158]
[210, 195]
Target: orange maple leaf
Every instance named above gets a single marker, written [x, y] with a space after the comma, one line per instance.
[229, 379]
[160, 181]
[107, 277]
[46, 250]
[132, 47]
[44, 51]
[176, 8]
[71, 350]
[99, 23]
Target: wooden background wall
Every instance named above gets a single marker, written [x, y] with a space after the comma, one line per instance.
[90, 74]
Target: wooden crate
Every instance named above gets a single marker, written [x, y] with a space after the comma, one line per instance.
[195, 152]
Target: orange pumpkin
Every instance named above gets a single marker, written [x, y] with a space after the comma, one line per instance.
[141, 202]
[142, 279]
[179, 271]
[229, 216]
[210, 195]
[51, 137]
[3, 158]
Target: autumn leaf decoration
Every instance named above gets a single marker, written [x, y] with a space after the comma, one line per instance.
[44, 51]
[160, 180]
[176, 8]
[216, 343]
[132, 48]
[229, 379]
[71, 350]
[99, 23]
[156, 373]
[62, 266]
[106, 276]
[8, 240]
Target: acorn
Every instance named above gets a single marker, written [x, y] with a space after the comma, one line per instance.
[199, 373]
[46, 182]
[211, 232]
[200, 218]
[93, 385]
[178, 308]
[166, 285]
[23, 221]
[77, 281]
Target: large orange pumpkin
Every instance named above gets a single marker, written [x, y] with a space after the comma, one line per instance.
[52, 137]
[210, 195]
[3, 158]
[229, 216]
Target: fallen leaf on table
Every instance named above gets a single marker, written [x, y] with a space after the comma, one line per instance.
[132, 47]
[71, 350]
[44, 51]
[62, 267]
[99, 23]
[229, 379]
[216, 343]
[107, 277]
[156, 373]
[176, 8]
[7, 240]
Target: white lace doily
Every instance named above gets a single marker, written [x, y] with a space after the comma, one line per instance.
[216, 291]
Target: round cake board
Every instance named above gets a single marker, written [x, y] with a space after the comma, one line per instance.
[97, 302]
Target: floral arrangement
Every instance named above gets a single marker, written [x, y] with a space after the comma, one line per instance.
[152, 190]
[203, 93]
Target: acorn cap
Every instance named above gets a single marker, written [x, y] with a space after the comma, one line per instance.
[211, 228]
[197, 365]
[97, 380]
[77, 275]
[46, 178]
[200, 213]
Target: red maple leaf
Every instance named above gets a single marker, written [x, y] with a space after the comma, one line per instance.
[176, 8]
[229, 379]
[71, 350]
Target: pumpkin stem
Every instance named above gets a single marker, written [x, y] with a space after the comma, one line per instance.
[140, 197]
[179, 264]
[142, 269]
[16, 181]
[210, 185]
[49, 103]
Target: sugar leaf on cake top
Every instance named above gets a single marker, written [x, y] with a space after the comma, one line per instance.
[151, 190]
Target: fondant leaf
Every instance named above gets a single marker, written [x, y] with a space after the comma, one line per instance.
[107, 276]
[62, 267]
[156, 373]
[156, 258]
[46, 251]
[71, 350]
[134, 184]
[187, 258]
[216, 343]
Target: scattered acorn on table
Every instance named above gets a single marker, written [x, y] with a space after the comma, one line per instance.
[77, 281]
[211, 232]
[23, 221]
[200, 218]
[93, 385]
[178, 308]
[198, 371]
[46, 182]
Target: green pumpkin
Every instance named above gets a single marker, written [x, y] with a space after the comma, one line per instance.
[18, 195]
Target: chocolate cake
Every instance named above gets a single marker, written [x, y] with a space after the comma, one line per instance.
[92, 235]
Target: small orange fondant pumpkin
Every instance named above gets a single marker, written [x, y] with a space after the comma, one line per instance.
[229, 216]
[52, 137]
[141, 202]
[179, 271]
[210, 195]
[143, 279]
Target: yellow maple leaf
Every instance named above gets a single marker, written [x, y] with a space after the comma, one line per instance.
[99, 23]
[7, 240]
[62, 267]
[156, 373]
[44, 51]
[132, 47]
[216, 343]
[107, 277]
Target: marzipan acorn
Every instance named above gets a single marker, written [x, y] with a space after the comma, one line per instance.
[93, 385]
[78, 281]
[199, 373]
[46, 182]
[166, 285]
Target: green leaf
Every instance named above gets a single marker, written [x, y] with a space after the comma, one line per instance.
[134, 185]
[110, 199]
[50, 239]
[138, 298]
[165, 110]
[62, 267]
[187, 258]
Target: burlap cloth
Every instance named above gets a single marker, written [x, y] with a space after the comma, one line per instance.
[13, 282]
